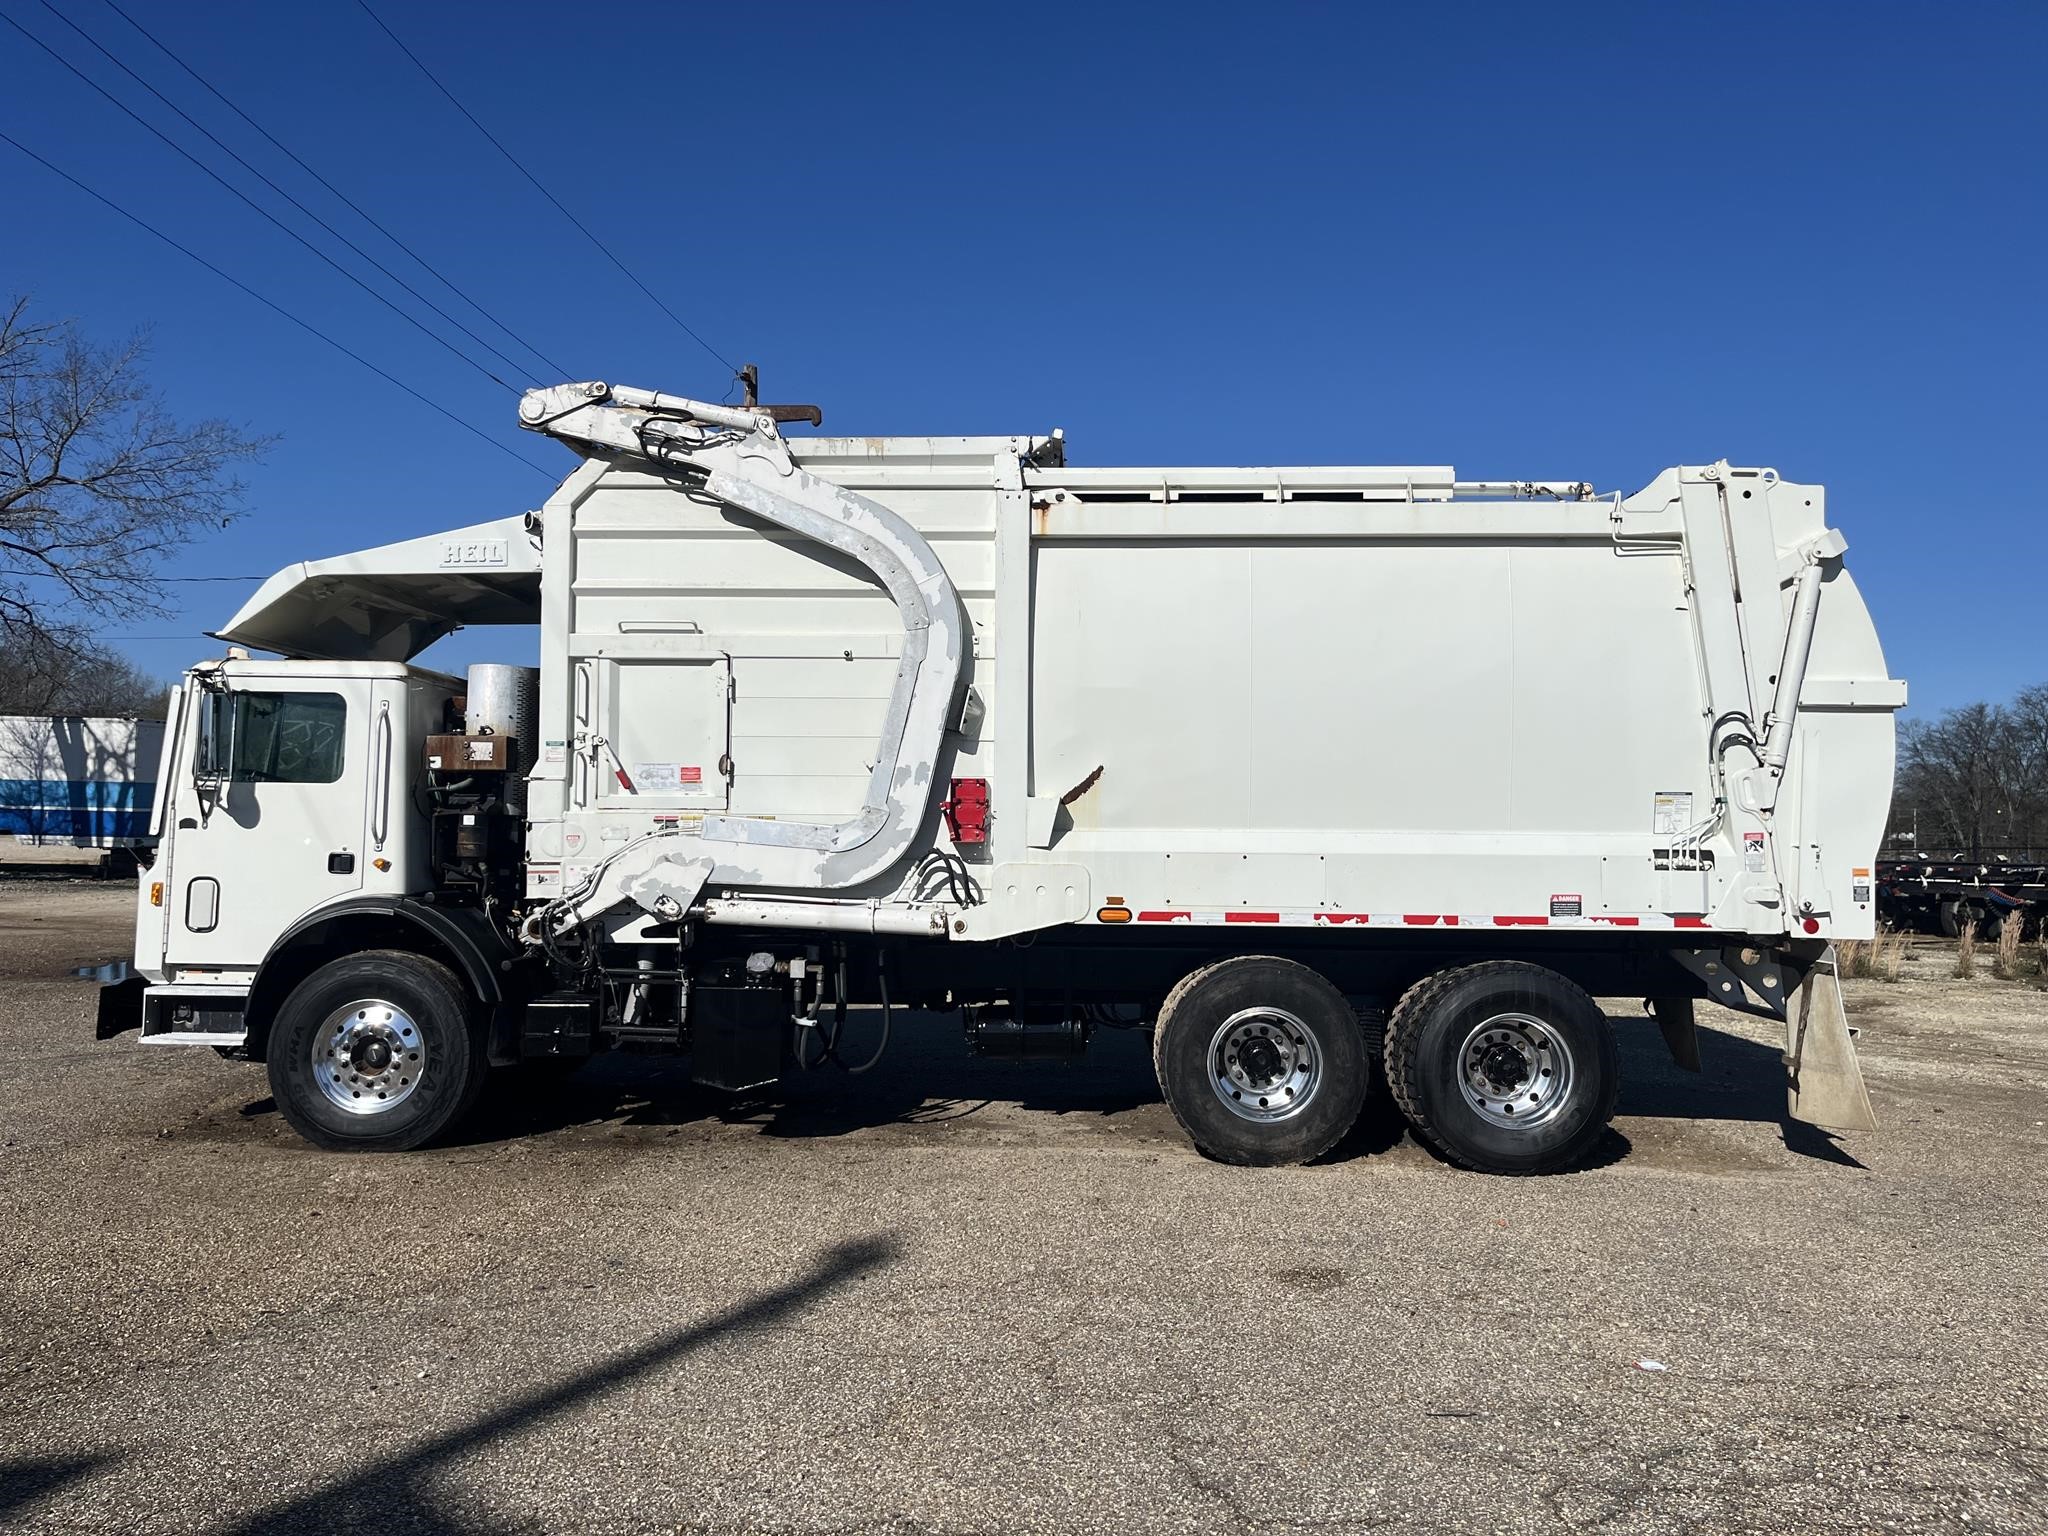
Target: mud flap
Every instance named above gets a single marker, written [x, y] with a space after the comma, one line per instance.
[120, 1008]
[1675, 1022]
[1824, 1085]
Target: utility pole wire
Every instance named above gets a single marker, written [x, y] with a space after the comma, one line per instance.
[543, 191]
[271, 304]
[53, 576]
[441, 277]
[249, 201]
[95, 44]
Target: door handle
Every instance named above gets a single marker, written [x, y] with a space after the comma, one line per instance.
[380, 823]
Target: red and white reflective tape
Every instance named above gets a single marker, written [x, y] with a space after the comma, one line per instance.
[1409, 919]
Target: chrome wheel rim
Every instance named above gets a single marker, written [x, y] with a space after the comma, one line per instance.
[1264, 1064]
[368, 1057]
[1515, 1070]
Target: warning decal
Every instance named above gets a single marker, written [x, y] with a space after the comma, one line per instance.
[1670, 812]
[1753, 852]
[668, 778]
[1566, 906]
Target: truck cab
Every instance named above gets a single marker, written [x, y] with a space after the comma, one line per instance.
[288, 790]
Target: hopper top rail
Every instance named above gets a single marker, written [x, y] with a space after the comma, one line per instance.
[1395, 483]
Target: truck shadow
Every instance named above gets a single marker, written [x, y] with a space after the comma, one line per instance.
[1738, 1080]
[927, 1078]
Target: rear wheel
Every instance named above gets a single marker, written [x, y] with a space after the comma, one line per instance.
[1504, 1067]
[379, 1052]
[1261, 1060]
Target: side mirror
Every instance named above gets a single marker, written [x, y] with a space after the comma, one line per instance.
[213, 752]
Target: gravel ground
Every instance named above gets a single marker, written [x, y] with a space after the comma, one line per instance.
[968, 1297]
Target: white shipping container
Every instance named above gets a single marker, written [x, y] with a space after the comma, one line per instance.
[76, 780]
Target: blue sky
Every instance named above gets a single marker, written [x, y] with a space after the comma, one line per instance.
[1571, 242]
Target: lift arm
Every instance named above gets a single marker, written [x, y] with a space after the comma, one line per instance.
[738, 458]
[1734, 628]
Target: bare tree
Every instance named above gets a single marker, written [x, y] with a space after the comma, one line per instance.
[69, 674]
[98, 482]
[1975, 780]
[2029, 735]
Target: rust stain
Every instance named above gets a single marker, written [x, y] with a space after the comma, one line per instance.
[1082, 788]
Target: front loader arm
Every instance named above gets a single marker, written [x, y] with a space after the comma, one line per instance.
[738, 458]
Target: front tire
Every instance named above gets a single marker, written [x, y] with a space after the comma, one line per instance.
[1504, 1067]
[1261, 1060]
[378, 1052]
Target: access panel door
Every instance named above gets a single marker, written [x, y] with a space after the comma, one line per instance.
[667, 725]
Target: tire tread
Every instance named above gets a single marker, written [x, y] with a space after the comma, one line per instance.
[1402, 1061]
[1160, 1033]
[431, 975]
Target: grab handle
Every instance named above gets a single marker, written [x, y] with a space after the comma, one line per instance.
[381, 824]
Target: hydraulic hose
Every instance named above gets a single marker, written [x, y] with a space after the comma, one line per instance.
[882, 984]
[800, 1026]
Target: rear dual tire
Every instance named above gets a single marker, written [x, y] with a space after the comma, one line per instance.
[1504, 1067]
[1261, 1060]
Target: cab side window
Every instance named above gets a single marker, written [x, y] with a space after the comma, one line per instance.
[274, 738]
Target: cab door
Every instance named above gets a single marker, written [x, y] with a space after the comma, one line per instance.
[272, 813]
[152, 911]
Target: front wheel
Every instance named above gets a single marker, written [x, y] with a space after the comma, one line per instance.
[1502, 1066]
[378, 1052]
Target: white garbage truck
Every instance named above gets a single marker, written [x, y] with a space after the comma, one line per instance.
[1325, 776]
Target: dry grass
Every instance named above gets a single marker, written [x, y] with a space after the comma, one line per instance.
[1966, 950]
[1880, 959]
[2005, 959]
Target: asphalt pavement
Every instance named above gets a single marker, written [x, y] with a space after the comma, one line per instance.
[958, 1296]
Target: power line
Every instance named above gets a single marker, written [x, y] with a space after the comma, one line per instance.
[543, 191]
[232, 154]
[441, 277]
[244, 197]
[272, 304]
[58, 576]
